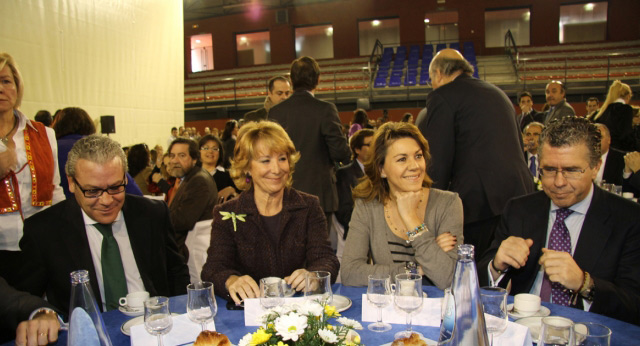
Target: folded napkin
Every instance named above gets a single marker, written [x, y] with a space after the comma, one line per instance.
[253, 310]
[183, 332]
[429, 315]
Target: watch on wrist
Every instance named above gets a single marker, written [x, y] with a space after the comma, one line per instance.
[411, 267]
[588, 291]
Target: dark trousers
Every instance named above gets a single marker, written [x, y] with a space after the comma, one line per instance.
[480, 234]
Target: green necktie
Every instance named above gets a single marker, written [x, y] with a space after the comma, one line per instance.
[113, 279]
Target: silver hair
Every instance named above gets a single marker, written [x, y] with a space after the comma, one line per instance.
[94, 148]
[448, 66]
[571, 131]
[533, 123]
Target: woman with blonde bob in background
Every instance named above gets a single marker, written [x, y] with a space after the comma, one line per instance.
[398, 219]
[617, 115]
[270, 229]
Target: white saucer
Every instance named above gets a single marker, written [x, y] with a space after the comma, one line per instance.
[125, 328]
[341, 302]
[534, 325]
[543, 312]
[129, 311]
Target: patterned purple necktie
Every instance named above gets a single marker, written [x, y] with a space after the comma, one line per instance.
[532, 166]
[559, 240]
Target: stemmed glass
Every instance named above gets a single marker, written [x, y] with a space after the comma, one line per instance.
[157, 317]
[318, 287]
[408, 298]
[201, 303]
[494, 301]
[556, 331]
[379, 294]
[271, 292]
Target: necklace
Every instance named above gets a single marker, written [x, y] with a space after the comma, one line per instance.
[392, 225]
[5, 139]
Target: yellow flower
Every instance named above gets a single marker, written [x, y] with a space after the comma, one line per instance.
[356, 339]
[330, 310]
[349, 343]
[330, 327]
[280, 343]
[260, 337]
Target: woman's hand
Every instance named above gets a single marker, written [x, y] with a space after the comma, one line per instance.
[8, 161]
[226, 194]
[407, 203]
[241, 288]
[446, 241]
[297, 279]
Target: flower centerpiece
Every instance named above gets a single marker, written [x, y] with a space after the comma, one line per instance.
[308, 323]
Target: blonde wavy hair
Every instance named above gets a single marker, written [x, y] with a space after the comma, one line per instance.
[7, 60]
[372, 185]
[616, 90]
[273, 137]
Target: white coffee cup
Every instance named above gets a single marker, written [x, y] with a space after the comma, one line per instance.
[526, 304]
[134, 299]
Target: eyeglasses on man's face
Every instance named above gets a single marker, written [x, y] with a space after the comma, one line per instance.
[567, 173]
[95, 193]
[205, 148]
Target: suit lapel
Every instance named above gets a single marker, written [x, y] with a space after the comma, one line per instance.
[595, 232]
[77, 245]
[535, 227]
[138, 231]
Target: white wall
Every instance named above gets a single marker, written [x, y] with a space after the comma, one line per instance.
[109, 57]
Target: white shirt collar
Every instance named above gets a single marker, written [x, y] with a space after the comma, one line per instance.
[580, 207]
[89, 221]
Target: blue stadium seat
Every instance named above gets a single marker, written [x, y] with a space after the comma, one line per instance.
[427, 51]
[475, 70]
[396, 73]
[395, 81]
[424, 78]
[468, 48]
[410, 80]
[383, 73]
[440, 47]
[380, 83]
[455, 45]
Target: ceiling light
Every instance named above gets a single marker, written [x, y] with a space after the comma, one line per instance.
[426, 20]
[589, 7]
[375, 22]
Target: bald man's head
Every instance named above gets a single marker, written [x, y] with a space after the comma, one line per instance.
[446, 66]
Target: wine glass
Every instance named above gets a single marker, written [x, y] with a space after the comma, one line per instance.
[157, 317]
[494, 301]
[408, 298]
[379, 294]
[201, 303]
[318, 287]
[271, 292]
[556, 331]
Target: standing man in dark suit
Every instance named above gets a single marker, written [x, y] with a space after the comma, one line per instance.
[529, 114]
[558, 106]
[124, 241]
[531, 137]
[315, 129]
[612, 168]
[194, 194]
[347, 178]
[279, 90]
[475, 145]
[572, 243]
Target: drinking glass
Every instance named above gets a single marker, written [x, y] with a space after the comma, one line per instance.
[494, 302]
[408, 298]
[444, 303]
[201, 303]
[592, 334]
[271, 292]
[157, 317]
[318, 287]
[556, 331]
[379, 294]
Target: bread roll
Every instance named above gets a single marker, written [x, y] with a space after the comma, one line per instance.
[209, 338]
[413, 340]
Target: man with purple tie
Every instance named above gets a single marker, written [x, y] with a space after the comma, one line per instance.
[530, 137]
[573, 243]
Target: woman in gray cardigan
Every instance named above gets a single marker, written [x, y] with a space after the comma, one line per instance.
[399, 223]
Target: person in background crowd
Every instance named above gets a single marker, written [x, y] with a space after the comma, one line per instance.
[229, 141]
[174, 135]
[28, 168]
[359, 121]
[279, 90]
[124, 241]
[283, 232]
[558, 106]
[530, 137]
[612, 160]
[44, 117]
[617, 114]
[407, 118]
[192, 197]
[573, 243]
[211, 156]
[315, 129]
[73, 123]
[529, 114]
[593, 104]
[475, 145]
[140, 168]
[399, 221]
[207, 131]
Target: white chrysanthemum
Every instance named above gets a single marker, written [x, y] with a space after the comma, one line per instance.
[349, 323]
[245, 341]
[310, 307]
[283, 309]
[290, 326]
[328, 336]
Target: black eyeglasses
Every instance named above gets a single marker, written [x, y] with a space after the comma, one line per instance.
[567, 173]
[95, 193]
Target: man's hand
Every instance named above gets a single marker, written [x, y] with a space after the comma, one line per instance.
[632, 162]
[446, 241]
[39, 331]
[241, 288]
[513, 252]
[562, 268]
[156, 177]
[525, 108]
[297, 279]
